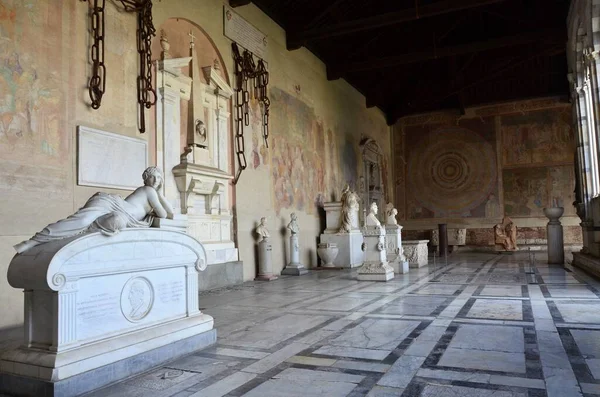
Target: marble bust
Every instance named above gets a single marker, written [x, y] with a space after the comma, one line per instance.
[390, 213]
[293, 225]
[262, 230]
[372, 217]
[109, 213]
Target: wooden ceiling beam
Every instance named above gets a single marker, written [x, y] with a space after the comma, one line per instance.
[239, 3]
[337, 71]
[296, 40]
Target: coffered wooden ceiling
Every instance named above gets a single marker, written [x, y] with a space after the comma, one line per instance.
[414, 56]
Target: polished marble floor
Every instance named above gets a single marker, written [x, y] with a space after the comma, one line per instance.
[480, 325]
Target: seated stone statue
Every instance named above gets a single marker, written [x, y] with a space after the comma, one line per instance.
[505, 234]
[372, 217]
[349, 206]
[109, 213]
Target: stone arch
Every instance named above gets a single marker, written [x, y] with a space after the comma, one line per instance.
[371, 182]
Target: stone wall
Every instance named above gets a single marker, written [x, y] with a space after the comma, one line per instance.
[470, 170]
[316, 125]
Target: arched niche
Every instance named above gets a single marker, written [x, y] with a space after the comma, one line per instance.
[371, 182]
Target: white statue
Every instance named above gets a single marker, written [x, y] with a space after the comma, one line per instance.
[390, 213]
[372, 217]
[293, 225]
[262, 230]
[349, 206]
[109, 213]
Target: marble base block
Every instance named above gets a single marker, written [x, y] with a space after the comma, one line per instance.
[375, 266]
[294, 268]
[265, 265]
[221, 275]
[93, 301]
[349, 245]
[395, 253]
[416, 252]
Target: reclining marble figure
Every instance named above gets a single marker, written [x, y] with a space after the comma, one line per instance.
[109, 213]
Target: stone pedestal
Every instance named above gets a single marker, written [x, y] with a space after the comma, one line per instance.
[375, 266]
[350, 253]
[554, 230]
[100, 309]
[416, 252]
[349, 245]
[265, 265]
[294, 268]
[395, 253]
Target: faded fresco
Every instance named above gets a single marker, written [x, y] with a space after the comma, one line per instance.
[309, 161]
[528, 190]
[539, 137]
[451, 170]
[34, 142]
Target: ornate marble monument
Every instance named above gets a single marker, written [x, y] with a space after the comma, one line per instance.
[197, 181]
[456, 238]
[375, 266]
[265, 265]
[101, 307]
[343, 229]
[393, 238]
[294, 268]
[416, 252]
[505, 235]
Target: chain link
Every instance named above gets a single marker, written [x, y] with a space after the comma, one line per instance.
[97, 84]
[145, 32]
[247, 71]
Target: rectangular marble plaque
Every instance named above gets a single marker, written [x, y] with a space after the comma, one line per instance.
[244, 33]
[118, 302]
[106, 159]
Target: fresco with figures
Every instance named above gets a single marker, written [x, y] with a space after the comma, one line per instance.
[451, 170]
[34, 145]
[308, 161]
[542, 137]
[527, 191]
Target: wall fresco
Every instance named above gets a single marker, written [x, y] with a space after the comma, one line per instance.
[34, 143]
[451, 170]
[538, 137]
[528, 190]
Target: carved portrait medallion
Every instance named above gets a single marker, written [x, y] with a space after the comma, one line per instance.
[137, 299]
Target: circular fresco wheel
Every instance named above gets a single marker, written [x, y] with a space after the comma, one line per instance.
[452, 171]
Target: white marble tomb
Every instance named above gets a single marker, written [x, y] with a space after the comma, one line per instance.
[416, 252]
[93, 300]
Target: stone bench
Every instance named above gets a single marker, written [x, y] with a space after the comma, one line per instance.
[416, 252]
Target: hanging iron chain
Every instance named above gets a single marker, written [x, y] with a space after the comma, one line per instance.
[246, 72]
[241, 97]
[97, 84]
[145, 32]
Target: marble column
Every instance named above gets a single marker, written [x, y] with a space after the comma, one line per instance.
[294, 268]
[265, 265]
[554, 233]
[443, 233]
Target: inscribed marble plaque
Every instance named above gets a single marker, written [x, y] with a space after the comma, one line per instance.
[110, 160]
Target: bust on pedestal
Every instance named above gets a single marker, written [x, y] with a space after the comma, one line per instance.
[343, 230]
[393, 231]
[265, 265]
[375, 266]
[294, 268]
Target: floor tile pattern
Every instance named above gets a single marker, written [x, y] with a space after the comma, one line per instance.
[478, 325]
